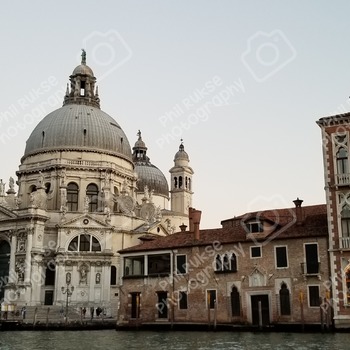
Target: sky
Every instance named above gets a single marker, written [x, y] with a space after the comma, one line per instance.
[242, 82]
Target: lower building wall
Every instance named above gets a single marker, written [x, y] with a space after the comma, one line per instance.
[256, 280]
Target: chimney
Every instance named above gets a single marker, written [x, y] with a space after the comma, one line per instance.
[183, 227]
[299, 211]
[196, 215]
[190, 218]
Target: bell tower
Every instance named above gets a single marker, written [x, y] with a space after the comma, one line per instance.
[181, 182]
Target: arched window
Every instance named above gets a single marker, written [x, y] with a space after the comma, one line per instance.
[235, 302]
[113, 275]
[218, 263]
[342, 161]
[72, 196]
[84, 243]
[180, 181]
[284, 300]
[175, 182]
[92, 194]
[233, 262]
[226, 263]
[189, 184]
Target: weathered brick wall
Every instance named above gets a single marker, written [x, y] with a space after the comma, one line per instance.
[201, 276]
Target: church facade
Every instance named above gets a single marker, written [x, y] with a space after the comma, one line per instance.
[83, 194]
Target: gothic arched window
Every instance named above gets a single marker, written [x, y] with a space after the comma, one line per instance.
[284, 300]
[342, 161]
[226, 263]
[345, 221]
[233, 262]
[218, 263]
[235, 302]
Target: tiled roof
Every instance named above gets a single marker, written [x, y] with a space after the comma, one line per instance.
[314, 224]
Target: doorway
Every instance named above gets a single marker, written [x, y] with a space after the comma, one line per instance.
[265, 313]
[48, 297]
[5, 251]
[162, 304]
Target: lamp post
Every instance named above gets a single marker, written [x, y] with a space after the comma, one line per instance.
[68, 291]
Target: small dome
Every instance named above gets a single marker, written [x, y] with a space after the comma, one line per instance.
[181, 154]
[83, 69]
[139, 143]
[150, 176]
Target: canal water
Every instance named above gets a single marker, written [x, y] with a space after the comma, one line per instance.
[129, 340]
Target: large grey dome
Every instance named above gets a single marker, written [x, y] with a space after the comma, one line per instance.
[79, 127]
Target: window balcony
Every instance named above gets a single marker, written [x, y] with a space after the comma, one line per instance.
[342, 179]
[344, 242]
[310, 270]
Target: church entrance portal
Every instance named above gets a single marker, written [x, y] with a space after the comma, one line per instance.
[5, 250]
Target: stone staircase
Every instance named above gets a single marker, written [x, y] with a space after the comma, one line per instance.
[44, 314]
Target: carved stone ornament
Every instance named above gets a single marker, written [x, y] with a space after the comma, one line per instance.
[83, 271]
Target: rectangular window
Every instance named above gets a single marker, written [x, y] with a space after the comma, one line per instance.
[281, 257]
[311, 258]
[181, 264]
[211, 298]
[159, 264]
[314, 296]
[254, 227]
[183, 300]
[255, 252]
[134, 266]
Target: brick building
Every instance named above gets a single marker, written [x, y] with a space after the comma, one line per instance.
[335, 137]
[259, 268]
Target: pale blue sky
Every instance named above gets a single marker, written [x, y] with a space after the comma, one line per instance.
[266, 71]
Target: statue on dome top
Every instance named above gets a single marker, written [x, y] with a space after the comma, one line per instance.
[83, 56]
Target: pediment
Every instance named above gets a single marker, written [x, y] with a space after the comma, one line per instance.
[257, 278]
[6, 214]
[85, 221]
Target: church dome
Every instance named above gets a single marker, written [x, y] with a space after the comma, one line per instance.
[79, 125]
[148, 174]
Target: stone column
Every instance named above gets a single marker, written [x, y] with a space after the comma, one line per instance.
[60, 281]
[28, 256]
[106, 281]
[91, 283]
[37, 280]
[12, 271]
